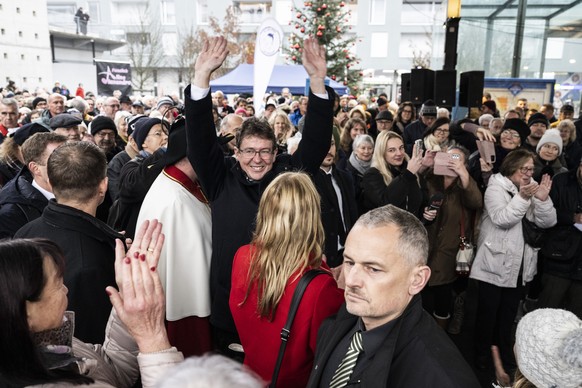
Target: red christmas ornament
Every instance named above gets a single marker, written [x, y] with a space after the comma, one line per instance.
[302, 29]
[338, 29]
[324, 6]
[297, 26]
[361, 73]
[319, 10]
[319, 33]
[348, 65]
[342, 4]
[294, 57]
[304, 20]
[298, 15]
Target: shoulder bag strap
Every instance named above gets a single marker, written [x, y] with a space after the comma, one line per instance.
[285, 332]
[462, 224]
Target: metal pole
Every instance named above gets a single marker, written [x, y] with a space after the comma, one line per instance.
[451, 37]
[544, 47]
[520, 26]
[487, 54]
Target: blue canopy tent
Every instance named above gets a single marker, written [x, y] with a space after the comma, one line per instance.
[294, 77]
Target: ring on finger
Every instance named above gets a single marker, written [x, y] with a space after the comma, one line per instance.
[150, 249]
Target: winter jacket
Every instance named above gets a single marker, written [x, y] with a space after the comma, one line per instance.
[415, 353]
[502, 253]
[235, 198]
[444, 233]
[89, 248]
[20, 203]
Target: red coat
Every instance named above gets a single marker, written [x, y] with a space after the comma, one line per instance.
[261, 338]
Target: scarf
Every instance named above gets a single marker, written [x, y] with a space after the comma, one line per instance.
[358, 164]
[56, 345]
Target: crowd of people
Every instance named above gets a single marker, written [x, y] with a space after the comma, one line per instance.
[207, 215]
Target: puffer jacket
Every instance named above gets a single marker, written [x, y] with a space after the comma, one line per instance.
[501, 248]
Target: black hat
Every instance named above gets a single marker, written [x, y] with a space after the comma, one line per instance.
[176, 143]
[385, 115]
[64, 120]
[142, 128]
[138, 103]
[381, 101]
[131, 120]
[517, 125]
[428, 108]
[36, 101]
[124, 99]
[567, 108]
[538, 118]
[26, 131]
[100, 123]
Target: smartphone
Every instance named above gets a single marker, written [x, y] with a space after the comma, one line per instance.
[419, 146]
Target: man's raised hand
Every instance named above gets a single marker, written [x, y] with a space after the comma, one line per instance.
[211, 57]
[315, 64]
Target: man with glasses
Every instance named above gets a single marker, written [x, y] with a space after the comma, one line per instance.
[104, 132]
[384, 121]
[110, 107]
[234, 185]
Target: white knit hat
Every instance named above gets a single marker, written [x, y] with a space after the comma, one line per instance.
[551, 136]
[548, 348]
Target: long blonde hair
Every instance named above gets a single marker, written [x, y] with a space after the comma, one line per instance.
[288, 238]
[379, 157]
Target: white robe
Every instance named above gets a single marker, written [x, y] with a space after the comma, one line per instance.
[184, 265]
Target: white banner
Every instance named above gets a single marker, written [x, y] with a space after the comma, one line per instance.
[269, 39]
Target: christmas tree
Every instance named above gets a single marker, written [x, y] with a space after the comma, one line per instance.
[328, 20]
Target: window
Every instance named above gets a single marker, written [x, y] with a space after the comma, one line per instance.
[168, 12]
[251, 12]
[284, 12]
[94, 12]
[22, 57]
[202, 11]
[20, 34]
[35, 35]
[170, 43]
[17, 9]
[24, 79]
[40, 80]
[2, 31]
[379, 45]
[418, 14]
[61, 14]
[5, 55]
[38, 57]
[129, 13]
[377, 12]
[138, 37]
[33, 13]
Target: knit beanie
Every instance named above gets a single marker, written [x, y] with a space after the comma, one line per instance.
[428, 108]
[551, 136]
[517, 125]
[548, 348]
[100, 123]
[538, 118]
[142, 128]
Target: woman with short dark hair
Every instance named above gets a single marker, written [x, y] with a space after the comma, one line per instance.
[37, 346]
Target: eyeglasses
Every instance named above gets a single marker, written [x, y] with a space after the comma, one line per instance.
[114, 105]
[511, 133]
[249, 153]
[407, 111]
[439, 131]
[526, 170]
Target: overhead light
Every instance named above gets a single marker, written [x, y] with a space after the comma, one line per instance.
[526, 68]
[572, 61]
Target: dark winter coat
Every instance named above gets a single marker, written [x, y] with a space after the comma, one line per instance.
[413, 131]
[235, 198]
[416, 353]
[89, 248]
[20, 203]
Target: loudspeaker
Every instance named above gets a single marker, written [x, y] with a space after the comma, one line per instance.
[404, 87]
[445, 83]
[421, 85]
[471, 88]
